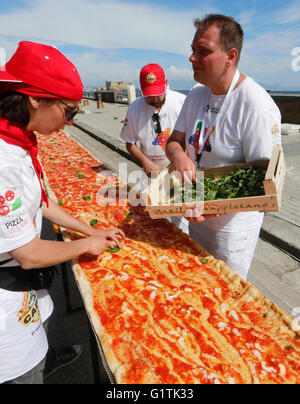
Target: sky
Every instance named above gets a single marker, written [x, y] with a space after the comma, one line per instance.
[111, 40]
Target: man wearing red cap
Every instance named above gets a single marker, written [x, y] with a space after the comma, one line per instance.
[40, 90]
[150, 121]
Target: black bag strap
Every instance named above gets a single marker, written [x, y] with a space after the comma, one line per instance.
[17, 279]
[14, 279]
[6, 262]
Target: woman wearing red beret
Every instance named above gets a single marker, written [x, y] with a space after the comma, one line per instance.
[39, 91]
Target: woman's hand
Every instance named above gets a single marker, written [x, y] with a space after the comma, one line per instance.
[103, 239]
[114, 234]
[59, 216]
[97, 244]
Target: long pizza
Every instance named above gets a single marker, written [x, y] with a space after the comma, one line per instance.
[163, 309]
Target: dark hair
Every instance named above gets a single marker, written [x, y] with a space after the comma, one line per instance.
[231, 32]
[14, 108]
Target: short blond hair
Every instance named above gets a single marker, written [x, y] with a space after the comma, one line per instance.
[231, 32]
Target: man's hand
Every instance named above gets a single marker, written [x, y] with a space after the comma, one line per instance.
[143, 160]
[186, 167]
[150, 168]
[196, 216]
[176, 153]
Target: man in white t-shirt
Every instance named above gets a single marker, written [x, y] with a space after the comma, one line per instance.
[150, 121]
[229, 120]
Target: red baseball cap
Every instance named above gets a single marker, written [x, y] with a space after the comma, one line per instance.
[42, 68]
[153, 80]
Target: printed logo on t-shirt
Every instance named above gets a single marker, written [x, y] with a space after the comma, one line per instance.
[212, 109]
[9, 203]
[10, 213]
[194, 139]
[125, 123]
[162, 138]
[276, 130]
[29, 313]
[14, 223]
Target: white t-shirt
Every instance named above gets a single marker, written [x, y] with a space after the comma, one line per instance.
[140, 127]
[246, 131]
[23, 342]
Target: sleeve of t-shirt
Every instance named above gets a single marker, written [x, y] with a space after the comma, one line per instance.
[180, 125]
[129, 132]
[182, 100]
[261, 132]
[190, 108]
[16, 225]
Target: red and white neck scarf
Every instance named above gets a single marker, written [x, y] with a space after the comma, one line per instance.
[25, 139]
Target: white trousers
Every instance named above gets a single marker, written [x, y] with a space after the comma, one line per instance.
[235, 248]
[181, 223]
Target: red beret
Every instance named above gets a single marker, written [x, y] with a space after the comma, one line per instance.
[45, 69]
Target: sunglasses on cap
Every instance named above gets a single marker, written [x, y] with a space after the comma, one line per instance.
[70, 112]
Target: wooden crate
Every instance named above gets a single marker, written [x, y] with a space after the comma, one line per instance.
[155, 194]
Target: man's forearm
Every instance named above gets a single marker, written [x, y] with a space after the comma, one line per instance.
[137, 154]
[176, 153]
[174, 150]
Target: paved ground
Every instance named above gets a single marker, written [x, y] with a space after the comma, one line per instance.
[275, 270]
[71, 328]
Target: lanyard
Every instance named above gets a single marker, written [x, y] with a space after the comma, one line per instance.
[206, 136]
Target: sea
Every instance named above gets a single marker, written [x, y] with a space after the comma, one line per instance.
[185, 92]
